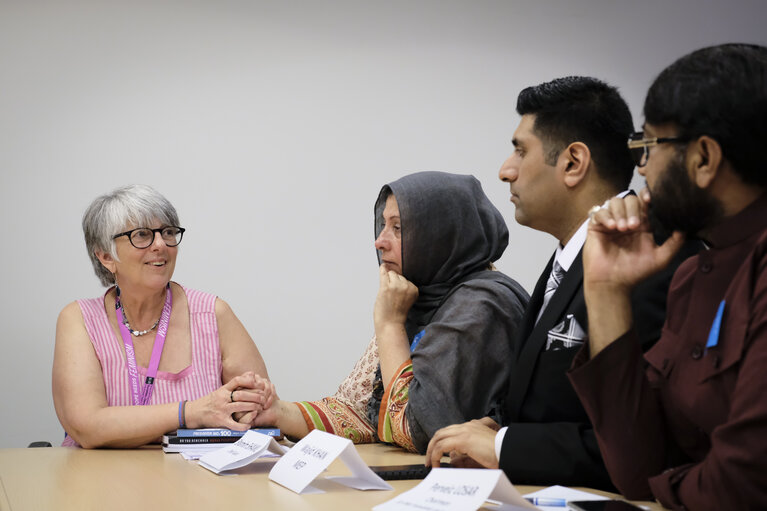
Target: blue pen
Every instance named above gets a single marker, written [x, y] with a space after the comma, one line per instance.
[542, 501]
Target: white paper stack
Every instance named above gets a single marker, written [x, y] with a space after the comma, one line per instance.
[246, 450]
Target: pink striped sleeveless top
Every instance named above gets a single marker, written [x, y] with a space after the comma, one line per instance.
[202, 377]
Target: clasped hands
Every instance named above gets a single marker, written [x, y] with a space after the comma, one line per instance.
[234, 405]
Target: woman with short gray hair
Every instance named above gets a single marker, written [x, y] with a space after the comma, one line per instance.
[149, 356]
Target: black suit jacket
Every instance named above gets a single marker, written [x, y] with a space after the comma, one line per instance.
[550, 439]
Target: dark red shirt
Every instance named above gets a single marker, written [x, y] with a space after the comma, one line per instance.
[685, 422]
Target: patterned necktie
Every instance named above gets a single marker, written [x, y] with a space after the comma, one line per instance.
[555, 278]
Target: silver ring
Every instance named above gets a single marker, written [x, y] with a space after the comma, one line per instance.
[231, 396]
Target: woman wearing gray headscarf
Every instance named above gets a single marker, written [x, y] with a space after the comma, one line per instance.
[443, 317]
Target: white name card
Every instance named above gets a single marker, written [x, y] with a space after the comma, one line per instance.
[252, 445]
[313, 454]
[458, 489]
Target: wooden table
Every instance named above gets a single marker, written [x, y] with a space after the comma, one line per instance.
[148, 479]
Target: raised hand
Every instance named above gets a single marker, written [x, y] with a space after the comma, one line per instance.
[619, 252]
[395, 296]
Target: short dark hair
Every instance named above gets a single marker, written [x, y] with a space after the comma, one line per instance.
[583, 109]
[719, 91]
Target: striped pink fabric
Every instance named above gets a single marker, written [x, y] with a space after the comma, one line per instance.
[202, 377]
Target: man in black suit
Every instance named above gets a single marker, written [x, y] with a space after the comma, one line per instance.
[570, 154]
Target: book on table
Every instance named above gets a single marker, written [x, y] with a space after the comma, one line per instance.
[214, 435]
[223, 432]
[207, 438]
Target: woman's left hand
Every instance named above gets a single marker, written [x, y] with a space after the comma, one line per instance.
[396, 295]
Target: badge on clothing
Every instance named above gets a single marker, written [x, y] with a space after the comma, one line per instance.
[416, 340]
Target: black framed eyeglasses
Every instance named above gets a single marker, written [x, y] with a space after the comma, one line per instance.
[143, 237]
[639, 146]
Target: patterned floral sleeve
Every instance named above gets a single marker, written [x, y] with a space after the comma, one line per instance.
[345, 413]
[392, 422]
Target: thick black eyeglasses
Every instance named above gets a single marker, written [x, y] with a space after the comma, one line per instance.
[143, 237]
[639, 146]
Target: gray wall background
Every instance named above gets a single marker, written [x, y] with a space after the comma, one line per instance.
[271, 126]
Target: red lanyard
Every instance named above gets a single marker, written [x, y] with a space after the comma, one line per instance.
[143, 397]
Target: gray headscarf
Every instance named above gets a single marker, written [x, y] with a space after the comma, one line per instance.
[451, 232]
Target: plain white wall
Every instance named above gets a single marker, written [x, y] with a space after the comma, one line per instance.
[271, 126]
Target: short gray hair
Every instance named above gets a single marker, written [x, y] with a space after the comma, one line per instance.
[115, 212]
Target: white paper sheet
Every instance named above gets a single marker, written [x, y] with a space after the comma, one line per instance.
[245, 450]
[313, 454]
[458, 489]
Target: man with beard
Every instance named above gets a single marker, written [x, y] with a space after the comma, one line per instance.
[569, 153]
[687, 422]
